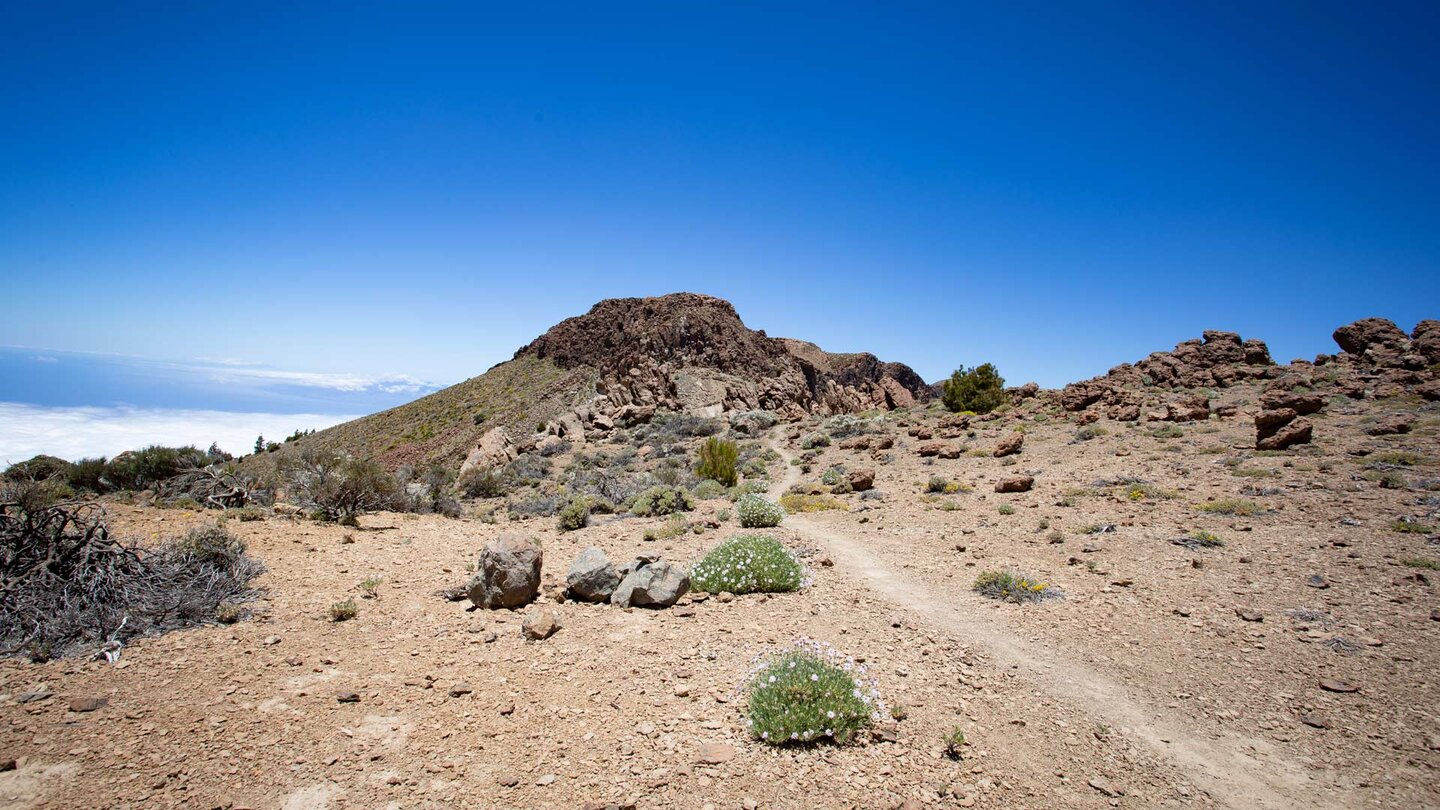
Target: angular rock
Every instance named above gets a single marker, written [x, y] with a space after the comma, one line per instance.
[1391, 425]
[1189, 409]
[493, 450]
[651, 582]
[592, 577]
[1019, 483]
[507, 574]
[862, 479]
[540, 623]
[1377, 340]
[1301, 403]
[1278, 429]
[1010, 444]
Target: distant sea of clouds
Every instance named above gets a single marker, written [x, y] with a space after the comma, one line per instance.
[75, 404]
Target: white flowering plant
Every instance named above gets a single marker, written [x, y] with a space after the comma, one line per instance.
[757, 512]
[748, 563]
[810, 692]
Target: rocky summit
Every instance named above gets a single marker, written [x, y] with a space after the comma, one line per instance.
[692, 354]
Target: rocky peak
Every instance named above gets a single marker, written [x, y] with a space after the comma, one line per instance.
[691, 352]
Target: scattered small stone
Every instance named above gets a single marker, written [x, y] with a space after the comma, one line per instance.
[34, 695]
[460, 690]
[714, 753]
[1105, 787]
[87, 704]
[1019, 483]
[508, 780]
[347, 696]
[540, 623]
[1250, 615]
[1315, 720]
[1317, 581]
[547, 779]
[271, 641]
[1338, 685]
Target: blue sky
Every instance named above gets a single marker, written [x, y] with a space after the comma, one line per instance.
[412, 191]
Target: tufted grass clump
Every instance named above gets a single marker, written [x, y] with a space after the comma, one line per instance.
[1141, 491]
[954, 742]
[662, 500]
[1408, 526]
[344, 611]
[797, 503]
[808, 693]
[939, 485]
[1009, 586]
[1201, 537]
[1231, 506]
[748, 564]
[757, 512]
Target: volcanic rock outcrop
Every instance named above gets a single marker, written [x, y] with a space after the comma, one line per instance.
[691, 353]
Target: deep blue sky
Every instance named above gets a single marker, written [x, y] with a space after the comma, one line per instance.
[421, 188]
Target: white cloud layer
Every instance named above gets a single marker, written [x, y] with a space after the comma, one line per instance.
[71, 433]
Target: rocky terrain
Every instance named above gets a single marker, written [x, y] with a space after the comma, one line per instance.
[1240, 558]
[620, 363]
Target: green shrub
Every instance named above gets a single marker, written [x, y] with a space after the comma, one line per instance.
[833, 476]
[575, 515]
[717, 461]
[227, 613]
[662, 500]
[343, 611]
[808, 693]
[1009, 586]
[757, 512]
[938, 485]
[979, 390]
[1421, 562]
[814, 440]
[1006, 509]
[748, 564]
[744, 488]
[1167, 432]
[1406, 526]
[709, 488]
[1206, 539]
[954, 743]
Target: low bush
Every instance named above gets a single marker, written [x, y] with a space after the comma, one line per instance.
[662, 500]
[708, 489]
[814, 440]
[757, 512]
[339, 488]
[748, 564]
[344, 611]
[482, 482]
[69, 586]
[1009, 586]
[938, 485]
[807, 693]
[575, 515]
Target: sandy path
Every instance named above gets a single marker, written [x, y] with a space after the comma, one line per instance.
[1237, 771]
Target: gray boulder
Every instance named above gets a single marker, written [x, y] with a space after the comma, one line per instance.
[592, 577]
[651, 582]
[507, 574]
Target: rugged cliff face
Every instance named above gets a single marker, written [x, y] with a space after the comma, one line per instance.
[692, 353]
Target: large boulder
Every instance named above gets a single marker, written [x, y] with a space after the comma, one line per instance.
[1425, 341]
[1280, 428]
[507, 574]
[1010, 444]
[651, 582]
[1377, 340]
[495, 449]
[1190, 409]
[1301, 403]
[1018, 483]
[592, 577]
[861, 480]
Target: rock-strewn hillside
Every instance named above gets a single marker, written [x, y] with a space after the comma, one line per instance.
[621, 363]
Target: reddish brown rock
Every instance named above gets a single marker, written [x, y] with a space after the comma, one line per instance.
[1280, 428]
[861, 480]
[1301, 403]
[1190, 409]
[1018, 483]
[1010, 445]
